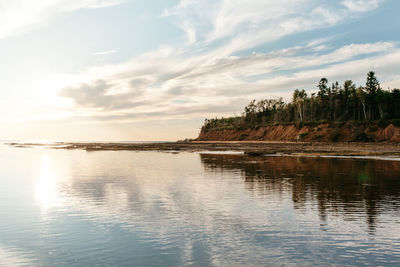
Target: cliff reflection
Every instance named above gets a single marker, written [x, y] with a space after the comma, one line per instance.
[184, 209]
[339, 187]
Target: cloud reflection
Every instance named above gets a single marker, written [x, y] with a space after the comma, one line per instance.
[217, 209]
[14, 258]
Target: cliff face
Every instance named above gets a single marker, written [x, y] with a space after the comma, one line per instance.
[320, 133]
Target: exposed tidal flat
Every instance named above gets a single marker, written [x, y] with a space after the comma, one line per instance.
[130, 204]
[382, 150]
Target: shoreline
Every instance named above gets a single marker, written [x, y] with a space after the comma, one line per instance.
[250, 148]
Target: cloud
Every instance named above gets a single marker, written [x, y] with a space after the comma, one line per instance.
[361, 5]
[18, 17]
[243, 25]
[209, 74]
[226, 18]
[188, 87]
[104, 53]
[99, 94]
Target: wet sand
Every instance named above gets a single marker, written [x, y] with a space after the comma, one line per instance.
[253, 148]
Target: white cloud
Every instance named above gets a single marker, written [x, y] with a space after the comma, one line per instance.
[234, 15]
[180, 87]
[103, 53]
[204, 76]
[190, 32]
[361, 5]
[17, 17]
[241, 25]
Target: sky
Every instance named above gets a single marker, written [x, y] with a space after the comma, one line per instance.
[131, 70]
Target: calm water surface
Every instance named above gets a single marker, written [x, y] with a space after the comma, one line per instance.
[162, 209]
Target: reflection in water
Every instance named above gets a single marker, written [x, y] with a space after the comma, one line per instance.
[150, 208]
[340, 187]
[45, 191]
[12, 257]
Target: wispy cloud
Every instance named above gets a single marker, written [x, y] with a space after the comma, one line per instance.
[247, 24]
[207, 75]
[361, 5]
[191, 87]
[18, 17]
[103, 53]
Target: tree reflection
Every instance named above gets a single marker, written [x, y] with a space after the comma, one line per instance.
[340, 187]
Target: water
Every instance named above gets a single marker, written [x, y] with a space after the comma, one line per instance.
[78, 208]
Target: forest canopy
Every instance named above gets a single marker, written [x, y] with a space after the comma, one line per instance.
[331, 103]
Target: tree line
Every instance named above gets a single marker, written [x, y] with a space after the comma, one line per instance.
[331, 103]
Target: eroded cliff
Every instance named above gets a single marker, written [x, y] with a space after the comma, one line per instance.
[325, 132]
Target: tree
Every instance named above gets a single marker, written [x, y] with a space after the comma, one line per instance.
[362, 96]
[372, 84]
[372, 89]
[322, 86]
[298, 99]
[337, 103]
[323, 97]
[394, 104]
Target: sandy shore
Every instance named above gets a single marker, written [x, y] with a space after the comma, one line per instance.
[254, 148]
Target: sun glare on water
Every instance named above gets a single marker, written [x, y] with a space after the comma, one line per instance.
[46, 187]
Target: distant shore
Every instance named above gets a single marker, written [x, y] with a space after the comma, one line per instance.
[252, 148]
